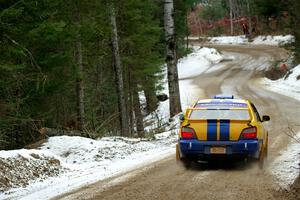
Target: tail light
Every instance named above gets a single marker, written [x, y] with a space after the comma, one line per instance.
[187, 133]
[249, 133]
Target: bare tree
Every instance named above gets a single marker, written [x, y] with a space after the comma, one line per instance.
[171, 59]
[119, 74]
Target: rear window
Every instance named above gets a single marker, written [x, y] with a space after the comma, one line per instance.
[220, 114]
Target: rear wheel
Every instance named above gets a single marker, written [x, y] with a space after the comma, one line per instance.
[177, 153]
[266, 148]
[263, 154]
[184, 161]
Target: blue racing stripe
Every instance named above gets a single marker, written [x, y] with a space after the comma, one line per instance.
[224, 129]
[212, 129]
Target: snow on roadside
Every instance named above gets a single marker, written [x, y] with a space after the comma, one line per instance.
[197, 62]
[228, 40]
[278, 40]
[286, 167]
[85, 161]
[289, 86]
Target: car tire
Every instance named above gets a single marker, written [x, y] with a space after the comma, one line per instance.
[182, 160]
[266, 148]
[263, 154]
[177, 153]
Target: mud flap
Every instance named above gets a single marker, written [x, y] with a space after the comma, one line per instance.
[263, 154]
[177, 153]
[262, 159]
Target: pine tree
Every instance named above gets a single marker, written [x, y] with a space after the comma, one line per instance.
[49, 48]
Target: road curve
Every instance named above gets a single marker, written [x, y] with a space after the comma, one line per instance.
[232, 181]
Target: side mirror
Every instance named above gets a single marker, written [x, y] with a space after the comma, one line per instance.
[265, 118]
[181, 117]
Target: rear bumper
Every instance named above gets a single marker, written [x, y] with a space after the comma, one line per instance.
[202, 149]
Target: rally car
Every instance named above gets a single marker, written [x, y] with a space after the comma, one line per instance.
[222, 127]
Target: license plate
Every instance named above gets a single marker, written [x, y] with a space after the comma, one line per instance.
[218, 150]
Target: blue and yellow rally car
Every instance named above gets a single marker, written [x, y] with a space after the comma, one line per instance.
[222, 127]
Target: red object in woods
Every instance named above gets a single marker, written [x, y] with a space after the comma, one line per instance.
[283, 67]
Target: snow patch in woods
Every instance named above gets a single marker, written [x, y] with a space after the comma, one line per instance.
[84, 161]
[288, 85]
[259, 40]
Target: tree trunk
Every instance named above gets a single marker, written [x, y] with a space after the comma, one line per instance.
[130, 104]
[187, 32]
[174, 95]
[201, 29]
[137, 112]
[79, 81]
[249, 16]
[150, 95]
[231, 16]
[119, 75]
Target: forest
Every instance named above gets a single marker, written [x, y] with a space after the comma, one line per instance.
[81, 67]
[58, 67]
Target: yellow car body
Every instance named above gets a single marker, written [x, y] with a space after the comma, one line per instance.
[222, 127]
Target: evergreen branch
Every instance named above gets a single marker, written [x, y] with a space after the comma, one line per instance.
[3, 141]
[15, 4]
[32, 60]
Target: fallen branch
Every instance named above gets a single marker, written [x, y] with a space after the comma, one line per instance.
[292, 134]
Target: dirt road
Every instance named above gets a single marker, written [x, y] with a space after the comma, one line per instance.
[166, 180]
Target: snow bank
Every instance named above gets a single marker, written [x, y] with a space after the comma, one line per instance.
[289, 85]
[228, 40]
[82, 161]
[78, 151]
[259, 40]
[197, 62]
[274, 40]
[286, 167]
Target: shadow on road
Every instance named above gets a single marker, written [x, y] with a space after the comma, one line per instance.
[228, 165]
